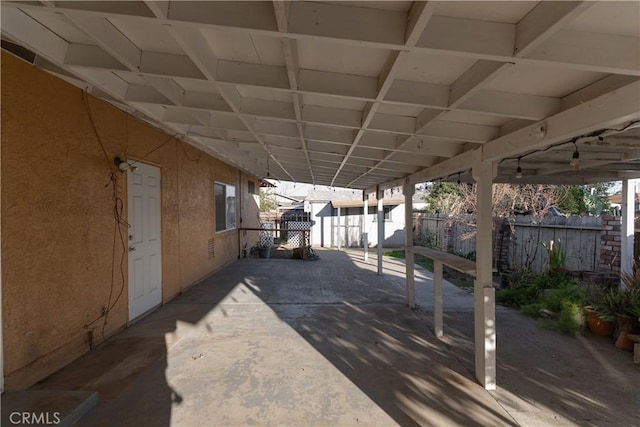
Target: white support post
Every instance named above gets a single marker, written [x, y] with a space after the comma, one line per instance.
[408, 239]
[338, 228]
[627, 229]
[483, 291]
[365, 226]
[438, 324]
[379, 196]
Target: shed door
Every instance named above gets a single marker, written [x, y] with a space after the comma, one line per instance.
[145, 267]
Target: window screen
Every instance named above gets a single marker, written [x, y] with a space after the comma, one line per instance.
[225, 206]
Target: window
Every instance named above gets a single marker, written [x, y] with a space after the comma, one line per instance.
[385, 209]
[225, 206]
[252, 187]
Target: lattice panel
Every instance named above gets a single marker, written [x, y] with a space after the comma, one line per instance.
[266, 237]
[298, 238]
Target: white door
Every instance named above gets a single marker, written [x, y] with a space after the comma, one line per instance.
[145, 267]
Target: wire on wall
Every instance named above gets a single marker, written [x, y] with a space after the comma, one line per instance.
[85, 101]
[155, 149]
[114, 177]
[196, 160]
[117, 212]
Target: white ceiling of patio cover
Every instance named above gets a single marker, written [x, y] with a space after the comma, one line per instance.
[356, 94]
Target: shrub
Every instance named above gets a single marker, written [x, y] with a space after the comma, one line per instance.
[571, 318]
[631, 284]
[558, 293]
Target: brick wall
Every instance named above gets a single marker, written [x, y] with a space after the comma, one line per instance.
[610, 248]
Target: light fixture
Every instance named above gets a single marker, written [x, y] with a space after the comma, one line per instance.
[575, 159]
[458, 178]
[123, 165]
[519, 169]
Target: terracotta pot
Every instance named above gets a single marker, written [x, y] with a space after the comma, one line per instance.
[601, 328]
[626, 326]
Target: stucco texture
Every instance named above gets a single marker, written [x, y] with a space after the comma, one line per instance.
[59, 260]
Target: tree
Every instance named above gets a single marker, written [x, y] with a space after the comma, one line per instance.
[441, 196]
[267, 202]
[573, 202]
[507, 199]
[591, 199]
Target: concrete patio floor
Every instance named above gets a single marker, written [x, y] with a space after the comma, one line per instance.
[328, 343]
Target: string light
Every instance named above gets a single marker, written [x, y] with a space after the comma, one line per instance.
[575, 159]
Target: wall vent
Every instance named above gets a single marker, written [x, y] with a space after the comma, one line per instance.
[211, 248]
[19, 51]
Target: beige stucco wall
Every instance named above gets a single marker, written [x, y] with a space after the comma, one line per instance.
[58, 226]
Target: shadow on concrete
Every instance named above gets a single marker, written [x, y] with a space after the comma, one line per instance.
[229, 352]
[128, 371]
[545, 377]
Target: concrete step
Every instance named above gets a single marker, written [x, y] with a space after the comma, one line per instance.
[46, 407]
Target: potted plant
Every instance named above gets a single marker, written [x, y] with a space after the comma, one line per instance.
[632, 283]
[263, 249]
[620, 301]
[600, 319]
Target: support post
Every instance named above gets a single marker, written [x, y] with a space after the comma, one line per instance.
[438, 325]
[365, 226]
[627, 229]
[380, 196]
[408, 239]
[338, 228]
[483, 291]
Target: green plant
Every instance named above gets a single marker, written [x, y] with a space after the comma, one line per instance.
[624, 301]
[535, 293]
[631, 283]
[395, 254]
[267, 202]
[519, 277]
[618, 302]
[469, 255]
[557, 254]
[262, 244]
[595, 298]
[571, 317]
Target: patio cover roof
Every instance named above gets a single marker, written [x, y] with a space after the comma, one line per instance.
[359, 94]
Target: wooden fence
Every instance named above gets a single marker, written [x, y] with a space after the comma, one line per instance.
[579, 236]
[521, 244]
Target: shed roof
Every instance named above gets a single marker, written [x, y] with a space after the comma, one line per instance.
[360, 203]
